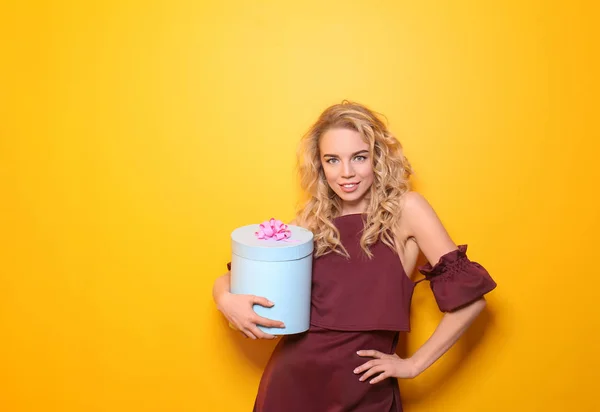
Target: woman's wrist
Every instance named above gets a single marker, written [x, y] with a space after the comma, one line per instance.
[417, 368]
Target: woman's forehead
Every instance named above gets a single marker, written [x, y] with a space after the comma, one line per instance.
[342, 142]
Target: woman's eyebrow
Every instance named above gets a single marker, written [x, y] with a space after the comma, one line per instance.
[353, 154]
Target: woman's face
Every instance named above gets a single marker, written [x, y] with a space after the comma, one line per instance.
[348, 167]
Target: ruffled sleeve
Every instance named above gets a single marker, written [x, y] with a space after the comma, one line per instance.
[457, 281]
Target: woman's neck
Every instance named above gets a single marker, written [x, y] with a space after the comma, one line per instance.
[354, 209]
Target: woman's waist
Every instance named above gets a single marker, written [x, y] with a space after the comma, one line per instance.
[359, 320]
[332, 344]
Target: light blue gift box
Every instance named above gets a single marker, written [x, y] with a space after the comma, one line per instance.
[279, 270]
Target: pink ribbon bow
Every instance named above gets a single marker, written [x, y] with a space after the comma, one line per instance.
[273, 229]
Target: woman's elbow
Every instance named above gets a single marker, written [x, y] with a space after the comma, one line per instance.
[479, 305]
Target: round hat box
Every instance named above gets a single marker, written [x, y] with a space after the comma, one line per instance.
[277, 269]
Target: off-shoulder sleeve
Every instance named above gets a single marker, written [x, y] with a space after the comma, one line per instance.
[457, 281]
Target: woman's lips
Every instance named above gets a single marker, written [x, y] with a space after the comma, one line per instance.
[349, 187]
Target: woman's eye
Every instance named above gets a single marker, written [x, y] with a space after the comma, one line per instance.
[361, 158]
[331, 160]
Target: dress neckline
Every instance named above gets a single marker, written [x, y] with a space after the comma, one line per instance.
[350, 215]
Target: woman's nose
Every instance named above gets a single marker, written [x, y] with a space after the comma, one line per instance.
[347, 170]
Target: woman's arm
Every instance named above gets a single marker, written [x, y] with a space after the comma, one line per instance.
[450, 328]
[221, 286]
[239, 309]
[426, 228]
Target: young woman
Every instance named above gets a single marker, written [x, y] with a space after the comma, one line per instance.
[368, 231]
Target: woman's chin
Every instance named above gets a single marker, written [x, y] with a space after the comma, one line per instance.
[350, 197]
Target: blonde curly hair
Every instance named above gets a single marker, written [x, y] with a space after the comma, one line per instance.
[391, 180]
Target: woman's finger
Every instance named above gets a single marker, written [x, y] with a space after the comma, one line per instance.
[269, 323]
[367, 365]
[259, 300]
[371, 372]
[260, 334]
[248, 334]
[372, 353]
[384, 375]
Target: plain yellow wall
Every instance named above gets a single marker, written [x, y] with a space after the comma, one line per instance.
[136, 135]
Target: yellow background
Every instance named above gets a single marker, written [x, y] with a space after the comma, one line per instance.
[135, 135]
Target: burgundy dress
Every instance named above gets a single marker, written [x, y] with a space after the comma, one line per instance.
[357, 303]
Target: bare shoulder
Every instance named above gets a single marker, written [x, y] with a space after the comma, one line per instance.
[420, 222]
[414, 202]
[413, 207]
[416, 210]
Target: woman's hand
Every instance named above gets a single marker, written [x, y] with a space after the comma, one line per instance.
[387, 366]
[238, 309]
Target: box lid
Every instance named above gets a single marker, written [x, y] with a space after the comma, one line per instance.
[245, 243]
